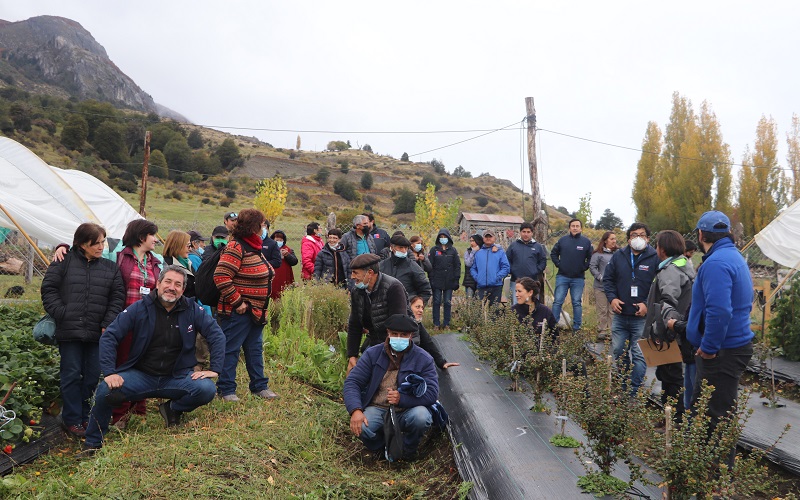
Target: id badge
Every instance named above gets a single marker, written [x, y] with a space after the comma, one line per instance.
[634, 291]
[144, 290]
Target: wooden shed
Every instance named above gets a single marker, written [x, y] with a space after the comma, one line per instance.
[506, 226]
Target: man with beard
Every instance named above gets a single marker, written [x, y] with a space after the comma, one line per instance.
[161, 364]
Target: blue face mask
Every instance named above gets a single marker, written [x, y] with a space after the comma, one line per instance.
[399, 344]
[361, 285]
[418, 247]
[264, 233]
[400, 255]
[443, 241]
[200, 250]
[280, 243]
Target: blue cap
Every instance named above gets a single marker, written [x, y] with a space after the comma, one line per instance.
[714, 221]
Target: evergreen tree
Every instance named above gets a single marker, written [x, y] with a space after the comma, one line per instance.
[227, 152]
[195, 140]
[608, 221]
[404, 202]
[157, 165]
[366, 180]
[75, 133]
[404, 157]
[109, 141]
[178, 155]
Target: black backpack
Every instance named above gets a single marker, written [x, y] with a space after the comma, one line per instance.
[205, 289]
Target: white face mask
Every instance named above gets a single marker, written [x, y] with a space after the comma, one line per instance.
[638, 243]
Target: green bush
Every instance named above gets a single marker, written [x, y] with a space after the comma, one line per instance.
[784, 326]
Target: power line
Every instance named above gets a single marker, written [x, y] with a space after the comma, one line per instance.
[467, 140]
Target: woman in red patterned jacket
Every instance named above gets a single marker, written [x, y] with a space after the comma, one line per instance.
[244, 279]
[139, 269]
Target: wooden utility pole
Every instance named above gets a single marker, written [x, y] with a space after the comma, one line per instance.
[143, 196]
[539, 218]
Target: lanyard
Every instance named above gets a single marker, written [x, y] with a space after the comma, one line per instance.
[142, 266]
[633, 274]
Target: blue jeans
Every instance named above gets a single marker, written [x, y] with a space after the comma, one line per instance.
[575, 288]
[493, 294]
[442, 296]
[186, 395]
[628, 329]
[242, 333]
[689, 373]
[414, 422]
[80, 372]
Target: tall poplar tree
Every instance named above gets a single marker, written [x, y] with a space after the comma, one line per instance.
[681, 120]
[749, 207]
[718, 154]
[793, 158]
[648, 178]
[762, 184]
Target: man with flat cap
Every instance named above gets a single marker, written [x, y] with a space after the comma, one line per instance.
[375, 385]
[406, 270]
[374, 297]
[719, 318]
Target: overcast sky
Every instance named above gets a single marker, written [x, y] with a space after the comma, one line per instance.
[599, 70]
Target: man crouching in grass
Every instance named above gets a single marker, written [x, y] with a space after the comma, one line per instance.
[163, 326]
[396, 374]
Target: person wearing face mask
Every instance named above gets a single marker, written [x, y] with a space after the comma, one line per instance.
[445, 275]
[372, 387]
[270, 249]
[332, 261]
[196, 244]
[405, 270]
[419, 254]
[358, 241]
[284, 275]
[219, 237]
[375, 297]
[626, 282]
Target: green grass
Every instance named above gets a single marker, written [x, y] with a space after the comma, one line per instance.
[33, 290]
[299, 446]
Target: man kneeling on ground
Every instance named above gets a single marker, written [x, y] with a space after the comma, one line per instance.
[164, 325]
[372, 387]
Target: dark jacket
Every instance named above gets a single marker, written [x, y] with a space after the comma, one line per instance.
[571, 255]
[82, 296]
[533, 318]
[325, 267]
[619, 277]
[140, 319]
[271, 252]
[350, 242]
[408, 272]
[424, 340]
[445, 264]
[722, 298]
[381, 239]
[189, 289]
[366, 377]
[526, 259]
[369, 310]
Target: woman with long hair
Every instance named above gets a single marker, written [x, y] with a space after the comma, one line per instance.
[417, 306]
[420, 256]
[597, 266]
[176, 252]
[83, 293]
[244, 279]
[528, 308]
[475, 244]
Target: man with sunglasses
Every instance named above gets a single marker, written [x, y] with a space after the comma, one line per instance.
[230, 220]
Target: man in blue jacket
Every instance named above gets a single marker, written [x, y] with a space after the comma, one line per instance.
[489, 268]
[719, 319]
[527, 258]
[626, 283]
[164, 325]
[571, 255]
[374, 385]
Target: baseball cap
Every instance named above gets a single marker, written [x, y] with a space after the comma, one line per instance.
[714, 221]
[231, 216]
[220, 231]
[489, 232]
[195, 236]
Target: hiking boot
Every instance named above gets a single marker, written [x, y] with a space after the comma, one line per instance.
[266, 394]
[171, 417]
[75, 431]
[230, 398]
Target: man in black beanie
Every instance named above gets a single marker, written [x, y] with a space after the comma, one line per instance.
[405, 270]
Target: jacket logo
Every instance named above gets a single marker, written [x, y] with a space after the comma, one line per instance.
[644, 268]
[190, 329]
[580, 248]
[438, 252]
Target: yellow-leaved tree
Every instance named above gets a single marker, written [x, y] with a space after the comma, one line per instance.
[430, 215]
[271, 197]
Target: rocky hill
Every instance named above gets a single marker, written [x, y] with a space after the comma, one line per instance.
[57, 56]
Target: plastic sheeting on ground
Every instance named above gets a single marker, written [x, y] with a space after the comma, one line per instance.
[500, 445]
[780, 240]
[50, 203]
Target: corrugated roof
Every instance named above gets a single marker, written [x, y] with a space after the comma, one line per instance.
[505, 219]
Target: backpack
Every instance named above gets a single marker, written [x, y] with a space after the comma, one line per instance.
[205, 290]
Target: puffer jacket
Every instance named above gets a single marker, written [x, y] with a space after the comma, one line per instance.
[309, 248]
[325, 265]
[82, 296]
[408, 272]
[370, 310]
[445, 264]
[490, 266]
[350, 242]
[672, 289]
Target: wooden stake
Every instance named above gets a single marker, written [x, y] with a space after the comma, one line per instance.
[143, 195]
[667, 436]
[30, 240]
[610, 370]
[539, 222]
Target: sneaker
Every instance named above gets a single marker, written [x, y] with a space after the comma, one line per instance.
[76, 431]
[266, 394]
[171, 417]
[230, 398]
[87, 451]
